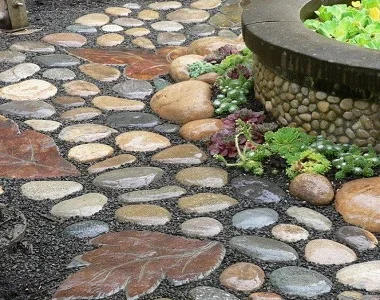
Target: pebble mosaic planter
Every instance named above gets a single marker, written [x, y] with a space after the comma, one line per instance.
[307, 80]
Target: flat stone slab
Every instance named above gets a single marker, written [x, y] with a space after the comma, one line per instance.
[19, 72]
[166, 192]
[143, 214]
[310, 218]
[82, 206]
[95, 19]
[43, 125]
[56, 60]
[181, 154]
[32, 46]
[28, 109]
[85, 133]
[86, 229]
[254, 218]
[132, 120]
[65, 39]
[129, 178]
[205, 202]
[302, 282]
[49, 190]
[28, 90]
[112, 163]
[134, 89]
[264, 249]
[203, 176]
[80, 114]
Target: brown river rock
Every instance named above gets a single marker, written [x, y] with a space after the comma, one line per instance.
[200, 130]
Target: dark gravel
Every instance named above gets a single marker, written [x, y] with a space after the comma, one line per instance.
[35, 268]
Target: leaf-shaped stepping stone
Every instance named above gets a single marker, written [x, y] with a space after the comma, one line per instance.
[137, 261]
[30, 154]
[144, 65]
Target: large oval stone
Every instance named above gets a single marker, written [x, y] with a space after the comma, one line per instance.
[33, 89]
[90, 152]
[254, 218]
[327, 252]
[356, 237]
[129, 178]
[205, 202]
[181, 154]
[364, 276]
[85, 133]
[141, 141]
[49, 190]
[201, 227]
[203, 176]
[65, 39]
[183, 102]
[358, 201]
[263, 248]
[143, 214]
[95, 19]
[28, 109]
[310, 218]
[133, 120]
[200, 130]
[179, 66]
[302, 282]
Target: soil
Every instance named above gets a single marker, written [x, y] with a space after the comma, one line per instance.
[32, 270]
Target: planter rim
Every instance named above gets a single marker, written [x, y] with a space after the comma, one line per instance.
[275, 32]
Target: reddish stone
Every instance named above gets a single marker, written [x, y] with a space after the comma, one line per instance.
[137, 261]
[140, 64]
[265, 296]
[30, 154]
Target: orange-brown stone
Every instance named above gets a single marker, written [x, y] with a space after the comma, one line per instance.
[200, 130]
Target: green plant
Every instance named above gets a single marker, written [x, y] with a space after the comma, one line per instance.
[358, 24]
[200, 67]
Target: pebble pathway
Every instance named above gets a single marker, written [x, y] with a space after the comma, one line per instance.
[88, 131]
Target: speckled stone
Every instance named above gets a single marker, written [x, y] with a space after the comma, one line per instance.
[112, 163]
[242, 276]
[302, 282]
[62, 74]
[203, 176]
[32, 46]
[18, 72]
[168, 26]
[289, 233]
[188, 15]
[310, 218]
[28, 109]
[81, 88]
[100, 72]
[364, 276]
[81, 114]
[166, 192]
[148, 14]
[171, 38]
[65, 39]
[95, 19]
[84, 29]
[12, 57]
[181, 154]
[28, 90]
[132, 120]
[129, 178]
[86, 229]
[134, 89]
[56, 60]
[254, 218]
[257, 189]
[143, 214]
[112, 28]
[69, 101]
[118, 11]
[91, 152]
[109, 40]
[85, 133]
[43, 125]
[49, 190]
[137, 31]
[109, 103]
[82, 206]
[143, 42]
[205, 202]
[141, 141]
[201, 227]
[165, 5]
[210, 293]
[264, 249]
[328, 252]
[356, 237]
[128, 22]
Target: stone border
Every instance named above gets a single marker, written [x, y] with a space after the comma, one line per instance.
[276, 34]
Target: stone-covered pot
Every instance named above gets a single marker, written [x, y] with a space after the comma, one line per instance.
[310, 81]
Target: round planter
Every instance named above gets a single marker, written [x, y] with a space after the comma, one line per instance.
[310, 81]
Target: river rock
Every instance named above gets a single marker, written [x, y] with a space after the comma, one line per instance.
[254, 218]
[312, 188]
[81, 114]
[134, 89]
[188, 15]
[85, 133]
[289, 233]
[100, 72]
[43, 125]
[356, 237]
[141, 141]
[129, 178]
[109, 40]
[166, 192]
[167, 26]
[56, 60]
[181, 154]
[143, 214]
[262, 248]
[69, 101]
[32, 46]
[28, 90]
[183, 102]
[28, 109]
[81, 88]
[12, 57]
[112, 163]
[205, 202]
[201, 227]
[207, 45]
[200, 130]
[49, 190]
[21, 71]
[87, 153]
[95, 19]
[358, 201]
[65, 39]
[265, 296]
[132, 120]
[310, 218]
[364, 276]
[203, 176]
[301, 282]
[327, 252]
[61, 74]
[109, 103]
[178, 67]
[210, 293]
[86, 229]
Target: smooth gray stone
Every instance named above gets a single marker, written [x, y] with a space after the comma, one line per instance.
[263, 248]
[87, 229]
[81, 28]
[210, 293]
[202, 30]
[170, 38]
[56, 60]
[257, 189]
[167, 128]
[59, 74]
[12, 57]
[297, 281]
[310, 218]
[28, 109]
[165, 192]
[133, 89]
[254, 218]
[132, 120]
[129, 178]
[357, 237]
[33, 46]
